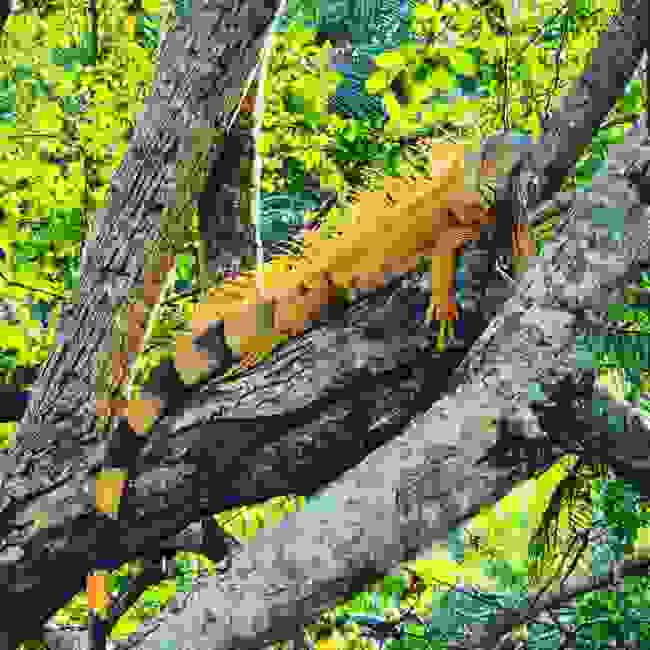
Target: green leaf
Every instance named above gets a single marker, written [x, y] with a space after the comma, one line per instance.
[377, 122]
[582, 8]
[377, 82]
[424, 12]
[184, 265]
[70, 56]
[71, 105]
[41, 231]
[65, 225]
[30, 251]
[88, 49]
[391, 161]
[374, 150]
[634, 88]
[440, 79]
[586, 169]
[22, 72]
[521, 71]
[391, 59]
[40, 88]
[312, 120]
[295, 103]
[632, 103]
[351, 131]
[8, 359]
[71, 275]
[422, 72]
[614, 135]
[464, 63]
[298, 36]
[58, 56]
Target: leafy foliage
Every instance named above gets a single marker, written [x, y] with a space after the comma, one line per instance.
[95, 108]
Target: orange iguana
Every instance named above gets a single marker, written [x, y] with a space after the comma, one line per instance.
[389, 231]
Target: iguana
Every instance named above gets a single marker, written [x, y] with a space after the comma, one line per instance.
[389, 231]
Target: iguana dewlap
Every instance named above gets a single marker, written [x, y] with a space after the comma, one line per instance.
[390, 229]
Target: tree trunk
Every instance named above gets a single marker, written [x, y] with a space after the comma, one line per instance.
[375, 526]
[58, 446]
[275, 424]
[468, 451]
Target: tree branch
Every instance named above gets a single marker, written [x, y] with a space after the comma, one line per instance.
[401, 376]
[571, 128]
[297, 400]
[487, 637]
[446, 465]
[542, 320]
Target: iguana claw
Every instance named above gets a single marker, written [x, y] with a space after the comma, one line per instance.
[437, 312]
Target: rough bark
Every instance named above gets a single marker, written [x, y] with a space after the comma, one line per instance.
[570, 129]
[201, 60]
[58, 446]
[369, 531]
[175, 487]
[279, 420]
[396, 374]
[448, 463]
[227, 237]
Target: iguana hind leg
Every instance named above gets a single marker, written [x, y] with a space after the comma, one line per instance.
[303, 304]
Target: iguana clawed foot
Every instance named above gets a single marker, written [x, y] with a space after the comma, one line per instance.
[438, 312]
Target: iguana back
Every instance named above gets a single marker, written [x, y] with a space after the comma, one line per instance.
[387, 232]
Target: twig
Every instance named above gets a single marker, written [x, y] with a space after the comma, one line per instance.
[12, 283]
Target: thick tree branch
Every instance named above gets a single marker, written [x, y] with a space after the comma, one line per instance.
[200, 62]
[438, 485]
[58, 446]
[395, 375]
[394, 366]
[381, 361]
[449, 462]
[401, 377]
[571, 128]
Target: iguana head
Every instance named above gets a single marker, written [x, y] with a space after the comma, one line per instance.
[489, 168]
[499, 155]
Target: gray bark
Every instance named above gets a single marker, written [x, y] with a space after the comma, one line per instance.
[441, 484]
[58, 446]
[175, 484]
[570, 129]
[275, 424]
[443, 478]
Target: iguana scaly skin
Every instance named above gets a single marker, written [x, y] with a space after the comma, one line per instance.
[389, 231]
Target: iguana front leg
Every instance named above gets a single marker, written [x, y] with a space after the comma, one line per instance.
[443, 272]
